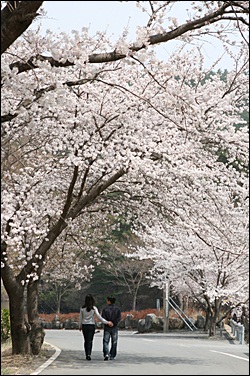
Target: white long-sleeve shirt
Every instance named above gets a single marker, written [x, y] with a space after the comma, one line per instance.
[88, 317]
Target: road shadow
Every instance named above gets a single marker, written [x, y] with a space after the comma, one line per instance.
[76, 360]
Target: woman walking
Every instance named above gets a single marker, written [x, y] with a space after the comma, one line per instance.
[87, 323]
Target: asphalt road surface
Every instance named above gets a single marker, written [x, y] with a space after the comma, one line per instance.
[182, 353]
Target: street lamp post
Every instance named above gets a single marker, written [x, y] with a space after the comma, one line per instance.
[166, 308]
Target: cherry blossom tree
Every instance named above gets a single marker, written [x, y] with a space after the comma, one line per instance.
[67, 268]
[87, 133]
[203, 251]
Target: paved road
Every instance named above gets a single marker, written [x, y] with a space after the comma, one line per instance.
[183, 353]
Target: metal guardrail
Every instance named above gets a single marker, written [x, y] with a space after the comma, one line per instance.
[238, 331]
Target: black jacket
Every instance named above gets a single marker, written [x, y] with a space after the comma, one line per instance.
[112, 313]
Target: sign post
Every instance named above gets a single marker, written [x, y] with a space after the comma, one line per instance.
[158, 304]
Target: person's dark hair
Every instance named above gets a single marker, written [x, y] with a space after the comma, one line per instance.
[112, 299]
[89, 302]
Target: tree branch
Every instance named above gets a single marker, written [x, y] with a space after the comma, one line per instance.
[219, 15]
[16, 17]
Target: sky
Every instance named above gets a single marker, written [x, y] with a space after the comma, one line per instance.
[113, 17]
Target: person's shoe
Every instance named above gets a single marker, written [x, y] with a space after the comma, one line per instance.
[111, 358]
[106, 357]
[88, 357]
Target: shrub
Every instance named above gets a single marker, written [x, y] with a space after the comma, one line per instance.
[5, 324]
[49, 317]
[74, 316]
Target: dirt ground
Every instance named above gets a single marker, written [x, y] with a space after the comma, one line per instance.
[22, 364]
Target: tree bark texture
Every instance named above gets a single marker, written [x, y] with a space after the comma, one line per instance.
[19, 326]
[37, 333]
[16, 17]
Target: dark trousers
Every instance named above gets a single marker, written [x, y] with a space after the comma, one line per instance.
[88, 331]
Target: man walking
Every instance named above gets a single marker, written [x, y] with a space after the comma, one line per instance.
[111, 313]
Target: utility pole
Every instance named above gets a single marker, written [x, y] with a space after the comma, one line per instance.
[166, 308]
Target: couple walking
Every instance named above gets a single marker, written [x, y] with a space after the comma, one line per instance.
[111, 315]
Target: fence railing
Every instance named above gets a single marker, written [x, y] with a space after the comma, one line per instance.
[238, 331]
[181, 314]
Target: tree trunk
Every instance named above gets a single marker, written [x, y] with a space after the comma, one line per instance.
[18, 325]
[134, 302]
[58, 306]
[212, 326]
[58, 299]
[37, 333]
[181, 301]
[214, 317]
[206, 326]
[27, 335]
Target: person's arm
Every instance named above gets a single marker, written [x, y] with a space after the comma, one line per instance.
[104, 321]
[80, 319]
[118, 316]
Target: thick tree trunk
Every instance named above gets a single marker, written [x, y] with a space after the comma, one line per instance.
[27, 334]
[19, 327]
[37, 333]
[206, 321]
[214, 317]
[212, 326]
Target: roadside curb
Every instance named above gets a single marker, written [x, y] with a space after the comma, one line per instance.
[49, 361]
